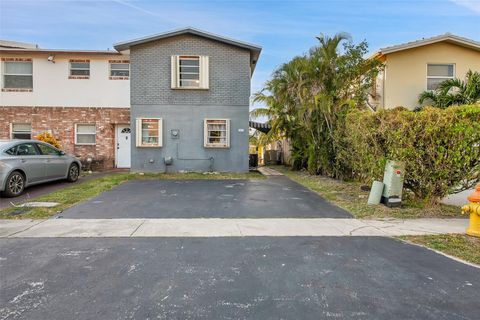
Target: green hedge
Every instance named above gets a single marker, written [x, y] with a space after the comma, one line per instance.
[441, 148]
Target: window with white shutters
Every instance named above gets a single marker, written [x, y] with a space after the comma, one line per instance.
[217, 133]
[149, 132]
[190, 72]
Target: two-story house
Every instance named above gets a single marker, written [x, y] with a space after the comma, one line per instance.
[82, 97]
[169, 102]
[190, 95]
[411, 68]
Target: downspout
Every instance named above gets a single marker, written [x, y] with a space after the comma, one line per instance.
[384, 88]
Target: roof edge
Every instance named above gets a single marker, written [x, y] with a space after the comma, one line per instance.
[125, 45]
[254, 49]
[59, 51]
[423, 42]
[17, 44]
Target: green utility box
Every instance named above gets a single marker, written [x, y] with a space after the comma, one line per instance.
[393, 181]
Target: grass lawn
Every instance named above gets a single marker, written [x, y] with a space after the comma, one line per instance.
[462, 246]
[79, 192]
[350, 196]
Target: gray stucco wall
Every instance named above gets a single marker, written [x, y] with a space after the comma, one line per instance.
[185, 110]
[189, 120]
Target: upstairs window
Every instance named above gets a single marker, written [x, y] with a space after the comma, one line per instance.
[85, 134]
[437, 73]
[217, 133]
[17, 74]
[189, 72]
[119, 69]
[21, 131]
[79, 69]
[149, 132]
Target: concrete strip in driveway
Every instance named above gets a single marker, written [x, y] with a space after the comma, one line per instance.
[85, 228]
[11, 227]
[215, 227]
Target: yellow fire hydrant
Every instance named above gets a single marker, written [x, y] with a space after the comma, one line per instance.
[474, 209]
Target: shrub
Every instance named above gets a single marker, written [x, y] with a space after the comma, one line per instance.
[48, 138]
[441, 148]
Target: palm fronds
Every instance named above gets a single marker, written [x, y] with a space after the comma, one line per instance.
[454, 92]
[307, 95]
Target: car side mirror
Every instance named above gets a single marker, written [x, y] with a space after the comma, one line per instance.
[61, 153]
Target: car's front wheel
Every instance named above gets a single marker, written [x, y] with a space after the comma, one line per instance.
[73, 172]
[15, 184]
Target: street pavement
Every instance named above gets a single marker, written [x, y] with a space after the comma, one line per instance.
[233, 278]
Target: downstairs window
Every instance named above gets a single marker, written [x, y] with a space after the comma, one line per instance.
[149, 132]
[217, 133]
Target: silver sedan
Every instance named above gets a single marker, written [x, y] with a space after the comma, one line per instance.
[27, 162]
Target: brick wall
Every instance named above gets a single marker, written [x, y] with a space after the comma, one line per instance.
[150, 65]
[61, 122]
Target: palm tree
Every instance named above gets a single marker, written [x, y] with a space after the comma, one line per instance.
[308, 95]
[282, 97]
[454, 92]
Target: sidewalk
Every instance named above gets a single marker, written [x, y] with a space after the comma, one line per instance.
[266, 171]
[87, 228]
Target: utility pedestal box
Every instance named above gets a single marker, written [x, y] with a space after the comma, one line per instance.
[393, 181]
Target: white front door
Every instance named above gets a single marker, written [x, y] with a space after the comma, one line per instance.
[123, 146]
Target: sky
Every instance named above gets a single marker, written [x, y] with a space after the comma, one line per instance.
[282, 28]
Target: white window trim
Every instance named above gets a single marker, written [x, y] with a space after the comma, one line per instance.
[203, 72]
[138, 133]
[438, 77]
[205, 134]
[4, 73]
[85, 143]
[12, 132]
[110, 69]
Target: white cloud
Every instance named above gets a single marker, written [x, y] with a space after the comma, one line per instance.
[470, 4]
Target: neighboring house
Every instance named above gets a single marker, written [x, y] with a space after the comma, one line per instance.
[80, 96]
[421, 65]
[190, 95]
[188, 91]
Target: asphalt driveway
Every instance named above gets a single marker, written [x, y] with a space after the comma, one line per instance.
[232, 278]
[275, 197]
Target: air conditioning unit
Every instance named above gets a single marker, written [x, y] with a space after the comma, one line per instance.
[393, 181]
